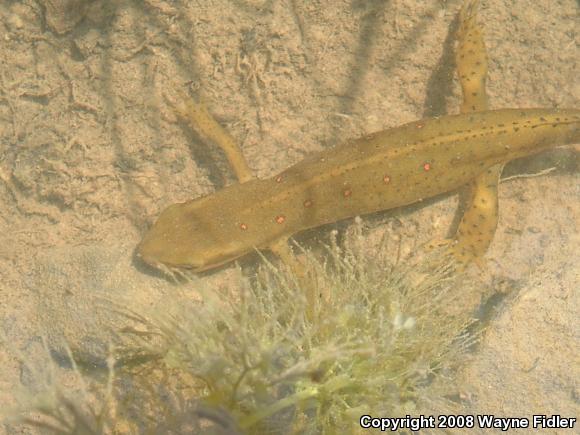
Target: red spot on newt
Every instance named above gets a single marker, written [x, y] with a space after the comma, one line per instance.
[386, 179]
[243, 226]
[347, 193]
[280, 219]
[426, 166]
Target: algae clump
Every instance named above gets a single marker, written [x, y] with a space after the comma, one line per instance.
[383, 342]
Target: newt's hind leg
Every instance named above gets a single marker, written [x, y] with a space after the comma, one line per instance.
[205, 124]
[479, 221]
[471, 59]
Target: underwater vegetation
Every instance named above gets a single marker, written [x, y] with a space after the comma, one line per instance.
[384, 341]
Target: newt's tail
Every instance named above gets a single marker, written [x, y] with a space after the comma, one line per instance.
[539, 129]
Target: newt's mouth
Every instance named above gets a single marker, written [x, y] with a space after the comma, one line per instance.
[173, 271]
[161, 261]
[161, 257]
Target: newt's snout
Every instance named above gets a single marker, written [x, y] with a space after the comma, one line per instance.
[188, 236]
[169, 241]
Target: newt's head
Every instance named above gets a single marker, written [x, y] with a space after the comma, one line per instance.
[182, 239]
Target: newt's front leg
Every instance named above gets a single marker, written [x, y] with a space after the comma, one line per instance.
[206, 125]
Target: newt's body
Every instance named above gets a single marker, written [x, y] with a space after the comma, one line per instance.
[384, 170]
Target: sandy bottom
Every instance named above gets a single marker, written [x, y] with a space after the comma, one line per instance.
[91, 152]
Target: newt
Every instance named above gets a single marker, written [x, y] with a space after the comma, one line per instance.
[381, 171]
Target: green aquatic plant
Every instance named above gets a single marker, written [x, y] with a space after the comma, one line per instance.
[53, 405]
[383, 342]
